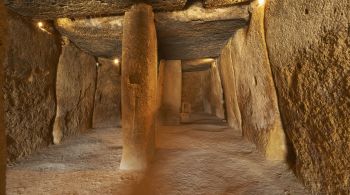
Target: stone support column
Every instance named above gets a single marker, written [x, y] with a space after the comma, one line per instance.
[139, 87]
[171, 101]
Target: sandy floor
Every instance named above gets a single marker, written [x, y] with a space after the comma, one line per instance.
[203, 157]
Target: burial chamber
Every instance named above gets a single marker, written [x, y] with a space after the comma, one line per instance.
[277, 72]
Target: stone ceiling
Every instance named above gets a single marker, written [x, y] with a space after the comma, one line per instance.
[197, 29]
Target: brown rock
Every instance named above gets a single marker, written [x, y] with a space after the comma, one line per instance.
[309, 51]
[82, 8]
[188, 34]
[30, 74]
[171, 92]
[195, 86]
[255, 90]
[216, 93]
[3, 45]
[139, 87]
[222, 3]
[75, 90]
[107, 109]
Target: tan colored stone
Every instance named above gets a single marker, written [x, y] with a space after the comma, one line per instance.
[171, 96]
[223, 3]
[29, 90]
[3, 44]
[309, 51]
[216, 93]
[107, 106]
[255, 90]
[139, 87]
[75, 90]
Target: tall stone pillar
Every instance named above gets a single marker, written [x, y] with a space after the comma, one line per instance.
[171, 101]
[139, 87]
[3, 33]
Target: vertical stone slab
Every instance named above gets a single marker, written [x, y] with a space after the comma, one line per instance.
[139, 87]
[171, 101]
[309, 52]
[216, 93]
[75, 90]
[107, 107]
[3, 36]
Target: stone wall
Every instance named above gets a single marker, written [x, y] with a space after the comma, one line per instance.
[195, 87]
[3, 45]
[30, 73]
[107, 109]
[216, 98]
[254, 86]
[309, 51]
[75, 91]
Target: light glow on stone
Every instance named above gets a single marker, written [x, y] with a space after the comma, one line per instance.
[40, 24]
[116, 61]
[261, 2]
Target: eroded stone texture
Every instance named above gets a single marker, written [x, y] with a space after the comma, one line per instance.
[195, 86]
[171, 95]
[222, 3]
[216, 93]
[30, 73]
[75, 90]
[100, 37]
[107, 107]
[139, 87]
[3, 45]
[80, 8]
[198, 32]
[309, 50]
[189, 34]
[255, 90]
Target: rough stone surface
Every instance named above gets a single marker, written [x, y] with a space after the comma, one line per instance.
[195, 86]
[171, 95]
[139, 87]
[216, 93]
[81, 8]
[223, 3]
[75, 90]
[203, 157]
[3, 45]
[107, 109]
[255, 90]
[30, 73]
[189, 34]
[309, 51]
[100, 37]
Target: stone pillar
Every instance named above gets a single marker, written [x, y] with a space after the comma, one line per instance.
[171, 101]
[3, 35]
[139, 87]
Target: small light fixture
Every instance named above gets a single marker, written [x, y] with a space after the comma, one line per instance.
[40, 24]
[261, 2]
[116, 61]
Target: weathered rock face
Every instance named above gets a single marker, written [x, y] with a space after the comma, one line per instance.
[3, 45]
[197, 32]
[75, 91]
[195, 86]
[216, 93]
[100, 37]
[171, 92]
[107, 109]
[139, 87]
[255, 90]
[222, 3]
[189, 34]
[81, 8]
[309, 51]
[30, 73]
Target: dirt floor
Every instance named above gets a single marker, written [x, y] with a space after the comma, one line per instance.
[201, 157]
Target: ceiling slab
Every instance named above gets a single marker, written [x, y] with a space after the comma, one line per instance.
[52, 9]
[222, 3]
[188, 34]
